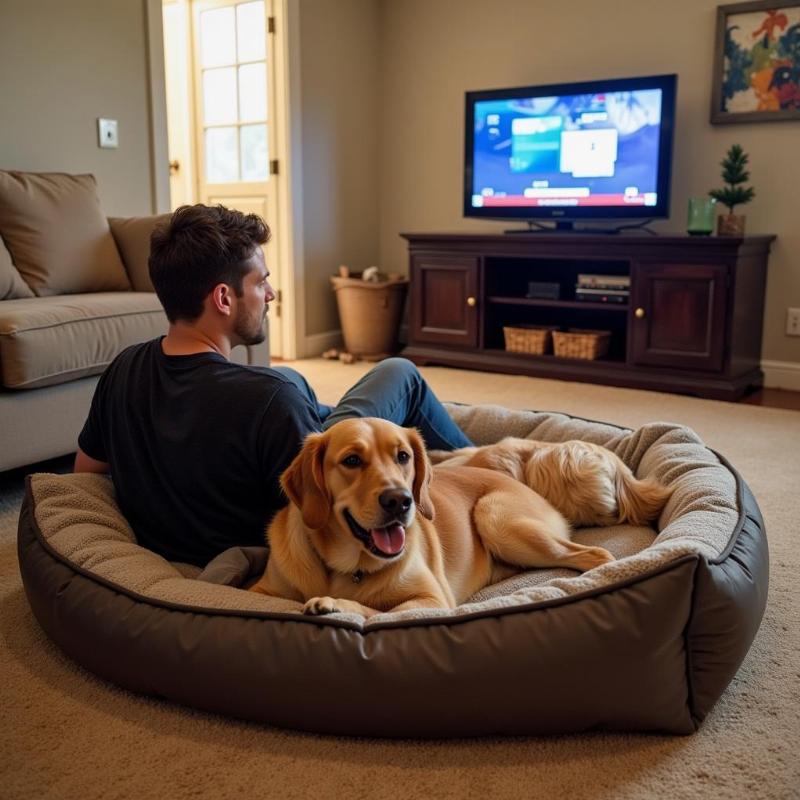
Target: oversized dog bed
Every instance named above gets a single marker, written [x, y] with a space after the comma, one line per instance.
[646, 643]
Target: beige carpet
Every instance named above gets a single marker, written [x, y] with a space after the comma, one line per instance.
[66, 734]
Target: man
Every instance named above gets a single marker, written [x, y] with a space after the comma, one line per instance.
[195, 444]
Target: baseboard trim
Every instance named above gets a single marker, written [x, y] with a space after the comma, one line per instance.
[318, 343]
[781, 375]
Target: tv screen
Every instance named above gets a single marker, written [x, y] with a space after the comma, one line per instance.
[573, 151]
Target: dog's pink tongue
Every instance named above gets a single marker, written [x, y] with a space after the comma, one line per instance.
[389, 540]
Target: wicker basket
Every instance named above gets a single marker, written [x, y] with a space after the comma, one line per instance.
[577, 343]
[534, 340]
[370, 314]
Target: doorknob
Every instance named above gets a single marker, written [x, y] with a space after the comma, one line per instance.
[471, 301]
[639, 313]
[174, 167]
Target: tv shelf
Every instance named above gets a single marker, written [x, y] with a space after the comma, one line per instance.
[535, 301]
[692, 323]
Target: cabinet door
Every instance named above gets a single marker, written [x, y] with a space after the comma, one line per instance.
[444, 300]
[679, 315]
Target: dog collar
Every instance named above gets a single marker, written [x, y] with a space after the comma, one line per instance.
[358, 575]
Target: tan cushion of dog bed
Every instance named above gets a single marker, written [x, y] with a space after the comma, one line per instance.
[78, 517]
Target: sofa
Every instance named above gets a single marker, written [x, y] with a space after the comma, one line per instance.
[74, 291]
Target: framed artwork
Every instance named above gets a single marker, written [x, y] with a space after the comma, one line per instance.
[757, 62]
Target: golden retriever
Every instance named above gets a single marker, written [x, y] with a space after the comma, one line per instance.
[587, 483]
[372, 527]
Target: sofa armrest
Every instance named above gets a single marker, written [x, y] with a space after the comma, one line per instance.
[132, 236]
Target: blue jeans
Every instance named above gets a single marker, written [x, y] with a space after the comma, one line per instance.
[393, 389]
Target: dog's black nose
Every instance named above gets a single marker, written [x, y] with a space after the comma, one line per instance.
[395, 501]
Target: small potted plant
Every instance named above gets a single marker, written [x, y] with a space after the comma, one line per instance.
[734, 193]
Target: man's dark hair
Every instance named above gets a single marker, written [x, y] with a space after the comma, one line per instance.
[198, 248]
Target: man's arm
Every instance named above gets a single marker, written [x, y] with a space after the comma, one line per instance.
[92, 438]
[84, 463]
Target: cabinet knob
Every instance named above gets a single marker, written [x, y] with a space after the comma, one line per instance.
[471, 301]
[639, 313]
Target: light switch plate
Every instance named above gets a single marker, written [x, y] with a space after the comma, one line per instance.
[107, 133]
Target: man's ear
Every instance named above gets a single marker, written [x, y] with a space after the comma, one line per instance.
[221, 299]
[422, 474]
[304, 481]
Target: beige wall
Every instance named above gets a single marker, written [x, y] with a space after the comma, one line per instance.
[62, 65]
[339, 59]
[432, 51]
[382, 85]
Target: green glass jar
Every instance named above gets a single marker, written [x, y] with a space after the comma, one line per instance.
[702, 211]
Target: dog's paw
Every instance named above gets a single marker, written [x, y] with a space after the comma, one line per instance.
[317, 606]
[597, 556]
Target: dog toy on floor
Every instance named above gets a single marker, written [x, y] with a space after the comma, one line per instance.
[342, 355]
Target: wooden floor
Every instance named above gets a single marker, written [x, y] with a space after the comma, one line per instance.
[774, 398]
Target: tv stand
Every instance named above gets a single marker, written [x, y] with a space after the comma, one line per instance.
[692, 324]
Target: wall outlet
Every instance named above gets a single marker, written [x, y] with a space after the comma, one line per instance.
[793, 322]
[107, 133]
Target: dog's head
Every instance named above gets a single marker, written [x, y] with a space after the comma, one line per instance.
[360, 484]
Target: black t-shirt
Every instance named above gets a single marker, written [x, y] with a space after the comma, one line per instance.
[196, 445]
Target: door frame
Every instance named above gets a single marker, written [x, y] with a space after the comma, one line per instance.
[287, 228]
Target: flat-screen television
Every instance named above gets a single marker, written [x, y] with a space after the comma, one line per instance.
[597, 150]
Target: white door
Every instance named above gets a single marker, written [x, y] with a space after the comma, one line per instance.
[223, 150]
[180, 102]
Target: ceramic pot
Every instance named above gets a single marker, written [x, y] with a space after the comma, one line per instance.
[730, 225]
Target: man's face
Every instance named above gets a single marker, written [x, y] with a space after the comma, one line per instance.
[251, 309]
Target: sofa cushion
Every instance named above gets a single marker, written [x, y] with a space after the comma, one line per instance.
[48, 340]
[132, 235]
[57, 235]
[11, 283]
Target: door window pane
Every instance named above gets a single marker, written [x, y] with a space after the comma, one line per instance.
[221, 156]
[219, 96]
[253, 92]
[250, 31]
[217, 37]
[254, 152]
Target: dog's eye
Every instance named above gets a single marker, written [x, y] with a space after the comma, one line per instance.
[352, 461]
[403, 457]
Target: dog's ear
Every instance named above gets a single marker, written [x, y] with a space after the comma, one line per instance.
[422, 474]
[304, 481]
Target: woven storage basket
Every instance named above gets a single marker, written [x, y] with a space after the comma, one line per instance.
[370, 314]
[576, 343]
[532, 340]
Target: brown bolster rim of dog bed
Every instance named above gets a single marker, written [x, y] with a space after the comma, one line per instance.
[648, 653]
